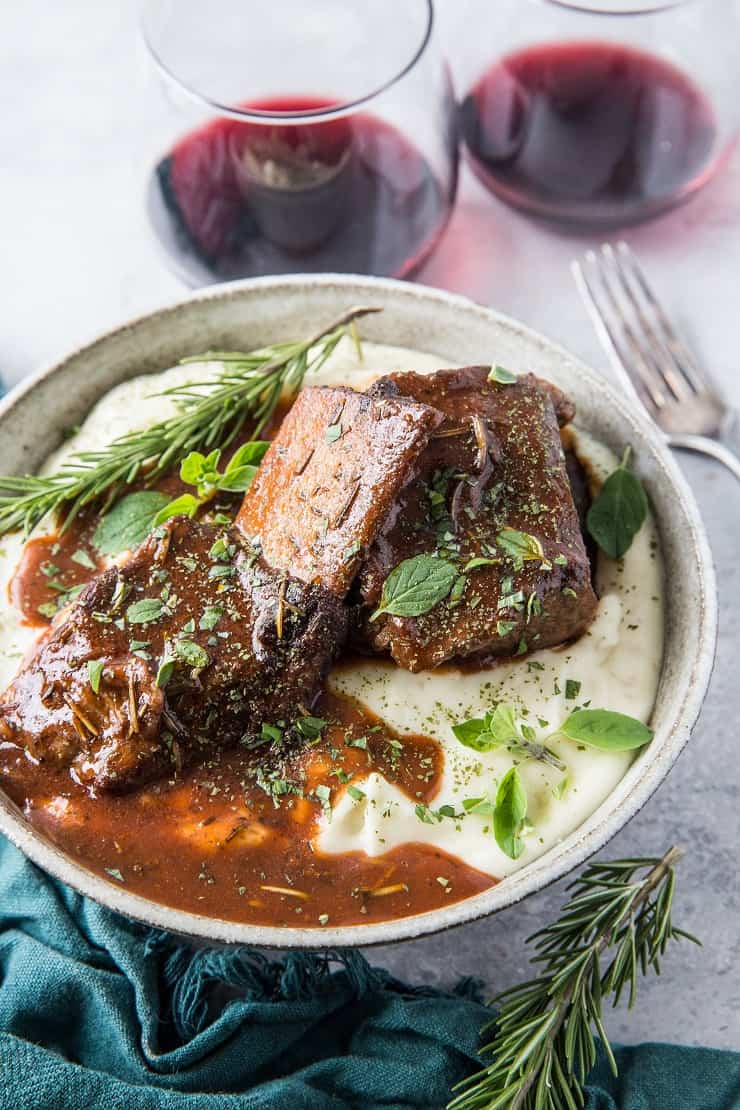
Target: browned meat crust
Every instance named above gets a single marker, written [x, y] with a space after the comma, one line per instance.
[330, 479]
[495, 463]
[250, 646]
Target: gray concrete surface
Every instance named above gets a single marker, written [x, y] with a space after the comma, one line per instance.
[75, 137]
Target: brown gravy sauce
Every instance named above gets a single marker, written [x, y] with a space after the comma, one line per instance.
[215, 842]
[233, 838]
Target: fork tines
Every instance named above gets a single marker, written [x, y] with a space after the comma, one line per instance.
[646, 352]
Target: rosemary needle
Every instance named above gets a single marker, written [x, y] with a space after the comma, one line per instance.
[543, 1043]
[209, 414]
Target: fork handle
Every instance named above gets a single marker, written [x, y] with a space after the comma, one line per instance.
[713, 447]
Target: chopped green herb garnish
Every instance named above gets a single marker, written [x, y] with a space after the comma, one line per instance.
[210, 617]
[572, 689]
[95, 673]
[82, 558]
[144, 611]
[192, 654]
[501, 375]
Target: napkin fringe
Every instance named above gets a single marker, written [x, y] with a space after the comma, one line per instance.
[191, 975]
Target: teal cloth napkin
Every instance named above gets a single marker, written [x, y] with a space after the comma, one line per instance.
[96, 1011]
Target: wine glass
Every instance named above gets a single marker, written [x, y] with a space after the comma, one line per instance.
[602, 112]
[297, 136]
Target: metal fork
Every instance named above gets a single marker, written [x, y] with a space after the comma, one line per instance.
[651, 360]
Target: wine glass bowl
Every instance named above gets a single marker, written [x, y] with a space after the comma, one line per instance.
[305, 139]
[603, 112]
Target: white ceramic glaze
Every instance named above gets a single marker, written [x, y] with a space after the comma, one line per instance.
[245, 314]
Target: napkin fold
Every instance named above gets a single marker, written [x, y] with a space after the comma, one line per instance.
[96, 1011]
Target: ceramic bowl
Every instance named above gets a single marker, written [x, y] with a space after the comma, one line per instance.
[246, 314]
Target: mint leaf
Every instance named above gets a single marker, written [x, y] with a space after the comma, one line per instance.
[415, 586]
[618, 511]
[606, 730]
[129, 522]
[509, 813]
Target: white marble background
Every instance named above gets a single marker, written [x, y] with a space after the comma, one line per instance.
[76, 258]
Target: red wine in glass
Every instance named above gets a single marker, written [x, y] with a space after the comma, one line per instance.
[238, 198]
[589, 132]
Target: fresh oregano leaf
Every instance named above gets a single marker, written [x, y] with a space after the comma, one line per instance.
[618, 511]
[129, 522]
[415, 586]
[501, 724]
[482, 806]
[483, 734]
[237, 480]
[200, 470]
[473, 734]
[509, 813]
[501, 375]
[606, 730]
[520, 546]
[191, 653]
[144, 611]
[249, 454]
[186, 505]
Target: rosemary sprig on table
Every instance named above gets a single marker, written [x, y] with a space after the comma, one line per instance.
[543, 1044]
[209, 414]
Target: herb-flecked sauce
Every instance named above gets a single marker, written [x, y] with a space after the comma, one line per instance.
[336, 849]
[235, 838]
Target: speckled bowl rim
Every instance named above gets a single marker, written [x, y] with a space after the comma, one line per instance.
[640, 781]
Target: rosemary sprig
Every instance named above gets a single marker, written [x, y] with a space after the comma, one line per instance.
[209, 414]
[543, 1044]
